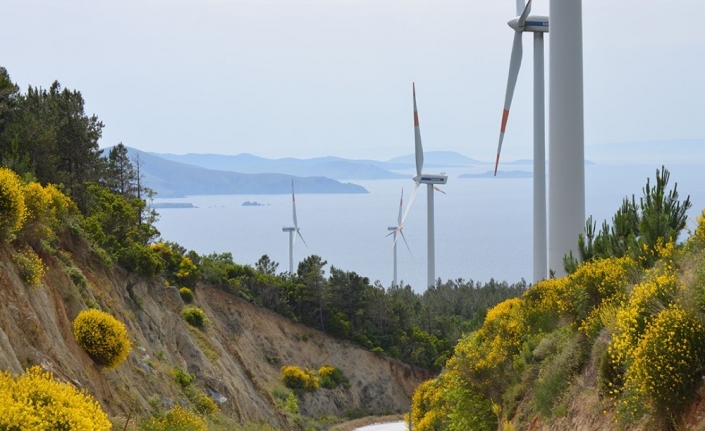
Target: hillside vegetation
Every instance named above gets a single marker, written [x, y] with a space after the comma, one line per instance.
[163, 338]
[619, 343]
[154, 356]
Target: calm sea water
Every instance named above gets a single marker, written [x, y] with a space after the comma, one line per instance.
[483, 225]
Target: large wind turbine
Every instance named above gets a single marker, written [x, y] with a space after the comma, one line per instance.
[566, 146]
[430, 180]
[293, 231]
[537, 25]
[397, 230]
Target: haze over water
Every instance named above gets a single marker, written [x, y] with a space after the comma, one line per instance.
[483, 225]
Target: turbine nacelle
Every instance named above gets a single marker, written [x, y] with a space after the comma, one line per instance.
[431, 179]
[533, 23]
[289, 229]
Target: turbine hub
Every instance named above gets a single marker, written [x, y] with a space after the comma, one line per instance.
[514, 24]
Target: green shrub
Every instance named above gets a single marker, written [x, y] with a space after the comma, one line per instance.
[291, 404]
[331, 377]
[30, 265]
[141, 259]
[104, 338]
[12, 206]
[35, 401]
[181, 377]
[177, 419]
[194, 316]
[76, 275]
[186, 295]
[298, 379]
[205, 404]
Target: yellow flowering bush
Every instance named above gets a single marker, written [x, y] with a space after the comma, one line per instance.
[35, 401]
[12, 206]
[667, 363]
[188, 273]
[177, 419]
[38, 210]
[428, 407]
[698, 237]
[485, 356]
[30, 265]
[46, 209]
[103, 337]
[298, 379]
[186, 295]
[657, 291]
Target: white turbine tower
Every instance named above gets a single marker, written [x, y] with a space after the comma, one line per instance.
[293, 231]
[566, 161]
[397, 230]
[430, 180]
[537, 25]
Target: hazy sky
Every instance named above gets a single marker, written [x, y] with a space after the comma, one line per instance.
[304, 78]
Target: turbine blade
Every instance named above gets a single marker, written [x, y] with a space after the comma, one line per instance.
[302, 238]
[411, 201]
[520, 6]
[524, 15]
[436, 188]
[514, 66]
[417, 136]
[407, 244]
[401, 202]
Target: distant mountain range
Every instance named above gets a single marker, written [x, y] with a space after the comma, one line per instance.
[173, 179]
[332, 167]
[197, 174]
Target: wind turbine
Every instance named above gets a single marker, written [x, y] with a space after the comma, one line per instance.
[397, 230]
[293, 231]
[431, 181]
[537, 25]
[566, 146]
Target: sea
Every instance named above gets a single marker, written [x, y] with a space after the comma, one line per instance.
[483, 226]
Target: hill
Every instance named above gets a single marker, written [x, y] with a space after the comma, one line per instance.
[236, 360]
[174, 179]
[330, 167]
[437, 159]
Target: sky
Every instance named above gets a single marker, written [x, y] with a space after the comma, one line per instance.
[309, 78]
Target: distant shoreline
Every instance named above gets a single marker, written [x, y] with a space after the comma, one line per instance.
[169, 205]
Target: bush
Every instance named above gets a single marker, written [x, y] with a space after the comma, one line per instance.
[331, 377]
[205, 404]
[181, 377]
[669, 360]
[177, 419]
[104, 338]
[298, 379]
[35, 401]
[194, 316]
[186, 295]
[141, 259]
[12, 205]
[30, 265]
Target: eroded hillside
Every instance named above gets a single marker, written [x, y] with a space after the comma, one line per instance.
[236, 359]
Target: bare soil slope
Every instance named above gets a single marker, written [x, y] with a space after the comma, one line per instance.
[236, 359]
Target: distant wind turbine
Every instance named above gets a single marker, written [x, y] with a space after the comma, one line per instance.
[397, 230]
[537, 25]
[293, 231]
[430, 180]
